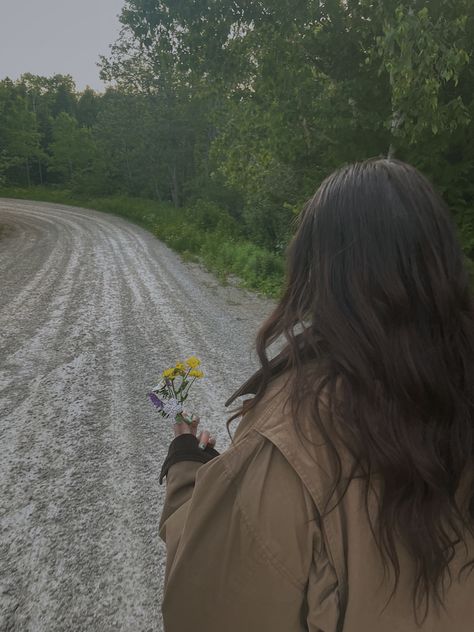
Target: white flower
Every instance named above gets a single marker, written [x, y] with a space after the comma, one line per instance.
[171, 408]
[158, 387]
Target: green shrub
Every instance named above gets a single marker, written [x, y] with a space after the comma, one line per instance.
[201, 232]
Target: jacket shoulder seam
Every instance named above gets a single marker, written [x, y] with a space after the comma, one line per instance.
[326, 528]
[269, 554]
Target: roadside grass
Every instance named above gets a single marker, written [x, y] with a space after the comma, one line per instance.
[201, 233]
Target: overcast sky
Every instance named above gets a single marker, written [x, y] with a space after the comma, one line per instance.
[47, 37]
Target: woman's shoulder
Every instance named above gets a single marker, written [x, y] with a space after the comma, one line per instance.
[250, 506]
[274, 503]
[273, 475]
[302, 440]
[301, 451]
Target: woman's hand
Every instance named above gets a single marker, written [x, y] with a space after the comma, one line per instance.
[205, 438]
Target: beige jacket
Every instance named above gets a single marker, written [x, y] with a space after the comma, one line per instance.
[247, 552]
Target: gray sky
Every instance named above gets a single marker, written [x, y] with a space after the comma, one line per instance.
[46, 37]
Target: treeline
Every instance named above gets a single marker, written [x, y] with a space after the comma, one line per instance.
[239, 109]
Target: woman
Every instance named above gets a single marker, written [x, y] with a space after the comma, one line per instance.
[346, 501]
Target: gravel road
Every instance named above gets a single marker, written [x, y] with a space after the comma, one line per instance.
[92, 307]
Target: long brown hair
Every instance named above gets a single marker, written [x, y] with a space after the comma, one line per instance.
[377, 286]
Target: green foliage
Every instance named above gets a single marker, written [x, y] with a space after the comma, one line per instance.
[229, 114]
[202, 233]
[423, 53]
[72, 149]
[19, 135]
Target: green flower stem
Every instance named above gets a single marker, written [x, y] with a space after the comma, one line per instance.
[180, 419]
[189, 386]
[183, 385]
[172, 388]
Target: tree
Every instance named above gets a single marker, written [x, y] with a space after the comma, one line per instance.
[72, 149]
[249, 105]
[19, 135]
[88, 108]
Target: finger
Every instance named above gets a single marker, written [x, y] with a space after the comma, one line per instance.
[191, 421]
[211, 441]
[182, 428]
[204, 439]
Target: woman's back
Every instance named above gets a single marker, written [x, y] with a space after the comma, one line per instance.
[374, 433]
[362, 592]
[377, 285]
[255, 551]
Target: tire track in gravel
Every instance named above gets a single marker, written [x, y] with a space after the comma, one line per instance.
[91, 309]
[47, 273]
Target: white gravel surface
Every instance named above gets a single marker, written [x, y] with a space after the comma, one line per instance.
[92, 308]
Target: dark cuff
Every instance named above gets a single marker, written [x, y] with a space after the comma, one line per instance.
[185, 447]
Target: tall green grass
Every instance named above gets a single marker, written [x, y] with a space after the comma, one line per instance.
[201, 232]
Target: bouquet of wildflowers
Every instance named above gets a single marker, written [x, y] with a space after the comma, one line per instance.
[170, 394]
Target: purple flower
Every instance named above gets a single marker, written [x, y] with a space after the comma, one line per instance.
[155, 400]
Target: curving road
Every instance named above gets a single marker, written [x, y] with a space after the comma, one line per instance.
[91, 309]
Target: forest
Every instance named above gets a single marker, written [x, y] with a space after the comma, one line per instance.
[222, 117]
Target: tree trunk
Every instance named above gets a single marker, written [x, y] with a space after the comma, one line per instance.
[28, 179]
[174, 186]
[129, 171]
[307, 135]
[156, 190]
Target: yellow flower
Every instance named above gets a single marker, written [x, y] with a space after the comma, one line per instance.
[193, 362]
[196, 373]
[180, 367]
[169, 373]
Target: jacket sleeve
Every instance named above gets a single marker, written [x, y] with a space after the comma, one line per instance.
[240, 549]
[180, 467]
